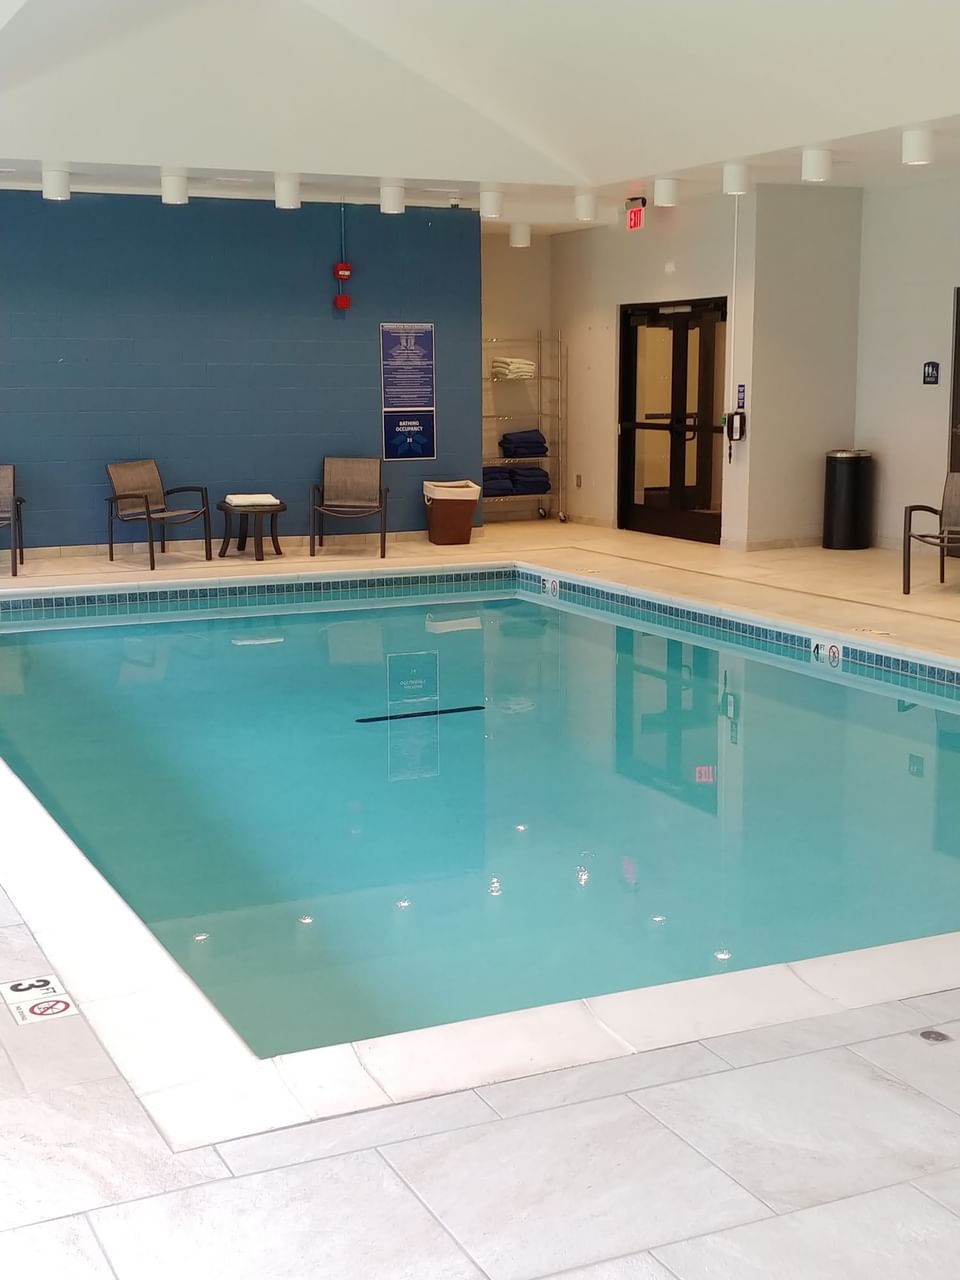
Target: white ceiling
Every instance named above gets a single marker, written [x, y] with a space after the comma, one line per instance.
[536, 96]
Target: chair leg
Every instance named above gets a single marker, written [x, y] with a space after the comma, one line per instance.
[943, 562]
[20, 534]
[207, 544]
[242, 535]
[907, 541]
[320, 523]
[257, 536]
[110, 532]
[227, 532]
[383, 530]
[13, 546]
[274, 519]
[153, 559]
[163, 539]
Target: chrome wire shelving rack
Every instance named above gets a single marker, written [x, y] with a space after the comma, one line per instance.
[517, 404]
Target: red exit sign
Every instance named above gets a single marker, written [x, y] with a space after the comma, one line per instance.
[635, 217]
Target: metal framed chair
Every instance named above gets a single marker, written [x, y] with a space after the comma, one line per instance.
[352, 487]
[138, 494]
[947, 536]
[11, 513]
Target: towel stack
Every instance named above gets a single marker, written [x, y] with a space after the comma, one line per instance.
[523, 444]
[510, 482]
[507, 367]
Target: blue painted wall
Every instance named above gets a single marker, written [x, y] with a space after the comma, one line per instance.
[205, 336]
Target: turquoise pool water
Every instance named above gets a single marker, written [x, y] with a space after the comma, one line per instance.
[600, 807]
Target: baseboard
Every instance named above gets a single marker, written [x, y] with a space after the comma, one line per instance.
[780, 544]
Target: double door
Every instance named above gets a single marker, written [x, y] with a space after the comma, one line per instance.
[672, 360]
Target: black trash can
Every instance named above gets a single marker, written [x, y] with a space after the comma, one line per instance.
[848, 500]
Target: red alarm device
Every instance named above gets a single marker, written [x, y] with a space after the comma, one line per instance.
[342, 271]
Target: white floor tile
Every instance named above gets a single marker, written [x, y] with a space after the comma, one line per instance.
[462, 1055]
[652, 1017]
[8, 912]
[355, 1132]
[166, 1035]
[330, 1081]
[600, 1079]
[830, 1031]
[886, 1235]
[560, 1189]
[806, 1130]
[944, 1187]
[20, 957]
[929, 1066]
[640, 1267]
[230, 1103]
[341, 1219]
[66, 1249]
[11, 1086]
[939, 1006]
[54, 1054]
[893, 972]
[73, 1149]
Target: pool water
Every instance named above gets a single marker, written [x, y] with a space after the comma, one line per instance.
[598, 808]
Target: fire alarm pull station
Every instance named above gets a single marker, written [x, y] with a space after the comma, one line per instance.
[736, 425]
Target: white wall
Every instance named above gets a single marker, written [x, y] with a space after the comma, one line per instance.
[802, 402]
[515, 287]
[910, 268]
[686, 252]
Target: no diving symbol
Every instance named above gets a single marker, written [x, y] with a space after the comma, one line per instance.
[48, 1008]
[833, 655]
[554, 587]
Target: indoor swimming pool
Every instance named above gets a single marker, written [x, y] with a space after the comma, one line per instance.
[349, 822]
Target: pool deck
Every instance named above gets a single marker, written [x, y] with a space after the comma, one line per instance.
[789, 1121]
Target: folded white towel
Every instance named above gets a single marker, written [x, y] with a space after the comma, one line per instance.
[252, 500]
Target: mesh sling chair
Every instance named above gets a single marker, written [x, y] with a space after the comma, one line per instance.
[138, 494]
[352, 487]
[947, 535]
[11, 513]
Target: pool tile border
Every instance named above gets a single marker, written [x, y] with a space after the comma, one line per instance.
[832, 653]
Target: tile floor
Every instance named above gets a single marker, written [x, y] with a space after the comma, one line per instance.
[827, 1146]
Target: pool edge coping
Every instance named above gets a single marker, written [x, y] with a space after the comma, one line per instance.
[263, 1095]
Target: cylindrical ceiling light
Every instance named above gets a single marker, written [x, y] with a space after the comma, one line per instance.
[491, 205]
[585, 206]
[55, 184]
[519, 235]
[286, 190]
[173, 186]
[665, 192]
[736, 179]
[816, 165]
[917, 147]
[393, 197]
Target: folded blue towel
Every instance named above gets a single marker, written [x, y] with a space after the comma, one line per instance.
[531, 480]
[523, 437]
[524, 450]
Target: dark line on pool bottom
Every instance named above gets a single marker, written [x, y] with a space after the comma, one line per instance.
[416, 715]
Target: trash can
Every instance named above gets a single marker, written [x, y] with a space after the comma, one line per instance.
[450, 508]
[848, 500]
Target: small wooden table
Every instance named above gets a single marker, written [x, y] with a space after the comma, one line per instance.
[230, 509]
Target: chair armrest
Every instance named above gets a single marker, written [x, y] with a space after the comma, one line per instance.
[383, 493]
[19, 501]
[316, 495]
[910, 512]
[189, 488]
[114, 498]
[934, 511]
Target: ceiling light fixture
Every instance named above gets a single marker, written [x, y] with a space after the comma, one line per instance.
[286, 190]
[393, 197]
[519, 235]
[173, 186]
[816, 165]
[585, 206]
[55, 184]
[736, 179]
[665, 192]
[491, 205]
[917, 146]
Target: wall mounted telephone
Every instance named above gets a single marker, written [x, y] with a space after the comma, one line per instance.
[736, 425]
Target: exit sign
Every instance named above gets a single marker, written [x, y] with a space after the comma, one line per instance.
[635, 217]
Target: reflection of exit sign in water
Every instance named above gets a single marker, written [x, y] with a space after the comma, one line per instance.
[704, 773]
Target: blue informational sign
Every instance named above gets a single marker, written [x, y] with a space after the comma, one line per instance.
[408, 382]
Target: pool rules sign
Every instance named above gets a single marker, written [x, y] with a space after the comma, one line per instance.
[409, 391]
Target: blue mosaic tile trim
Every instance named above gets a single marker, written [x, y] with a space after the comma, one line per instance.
[174, 600]
[905, 673]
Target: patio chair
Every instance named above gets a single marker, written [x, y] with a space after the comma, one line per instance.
[138, 494]
[947, 536]
[11, 513]
[351, 487]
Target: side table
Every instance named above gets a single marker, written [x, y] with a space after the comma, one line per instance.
[230, 510]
